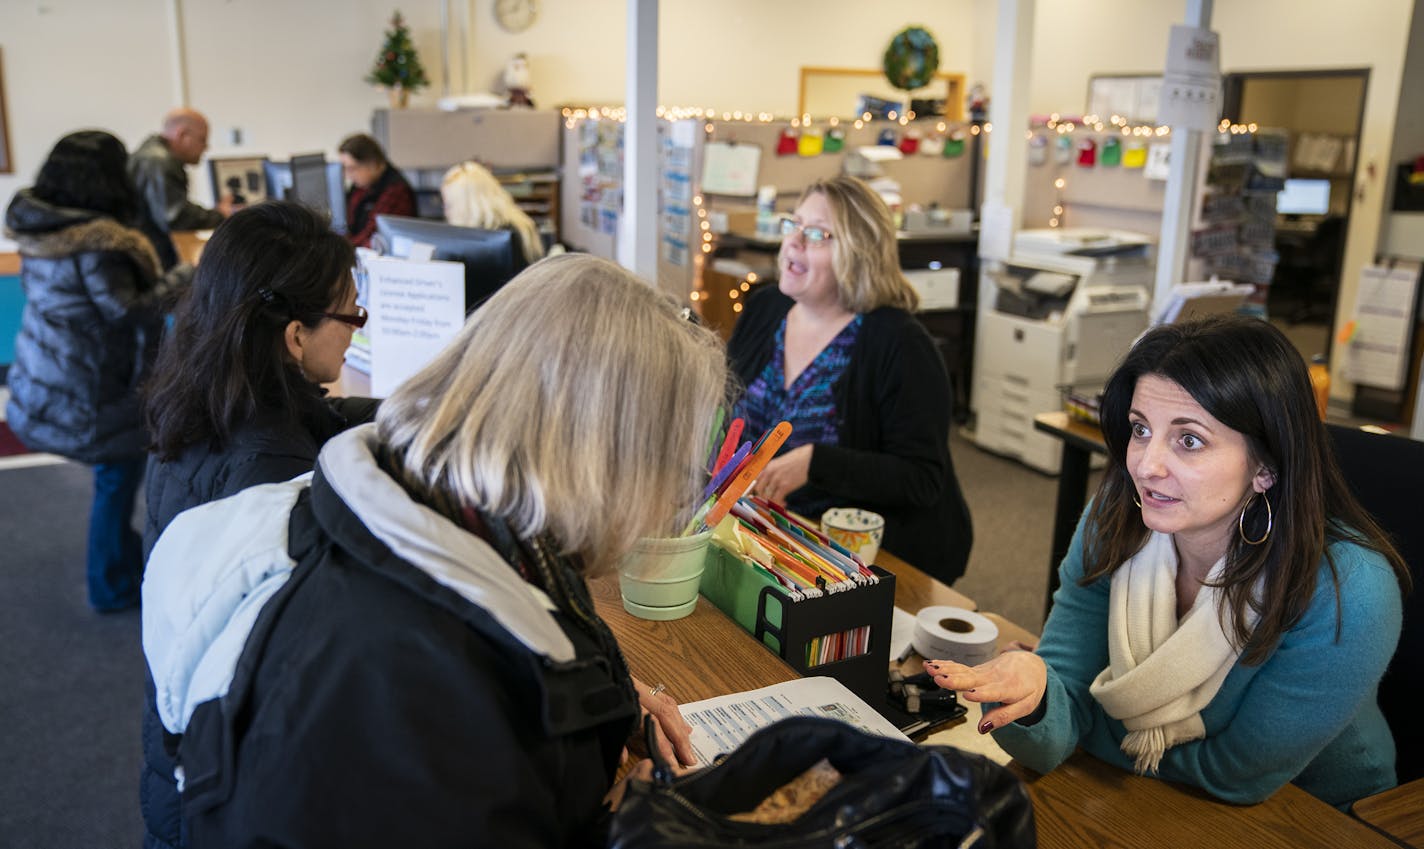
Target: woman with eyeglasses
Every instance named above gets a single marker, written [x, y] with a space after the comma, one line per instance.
[834, 349]
[421, 661]
[236, 398]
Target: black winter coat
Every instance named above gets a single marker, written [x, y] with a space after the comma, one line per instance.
[94, 310]
[375, 704]
[894, 408]
[273, 447]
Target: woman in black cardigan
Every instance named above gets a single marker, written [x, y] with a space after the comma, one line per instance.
[835, 351]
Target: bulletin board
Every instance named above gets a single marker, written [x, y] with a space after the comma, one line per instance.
[923, 178]
[1133, 96]
[729, 168]
[7, 165]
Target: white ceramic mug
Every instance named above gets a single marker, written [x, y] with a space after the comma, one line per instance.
[856, 530]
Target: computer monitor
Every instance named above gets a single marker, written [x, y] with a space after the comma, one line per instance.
[490, 257]
[298, 180]
[1304, 197]
[278, 176]
[336, 193]
[309, 182]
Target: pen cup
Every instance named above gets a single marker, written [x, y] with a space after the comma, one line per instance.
[659, 578]
[856, 530]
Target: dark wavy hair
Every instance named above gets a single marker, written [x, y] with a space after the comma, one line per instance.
[364, 149]
[226, 358]
[1246, 374]
[88, 169]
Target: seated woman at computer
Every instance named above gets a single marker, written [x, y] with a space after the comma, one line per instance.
[422, 664]
[834, 350]
[377, 187]
[1227, 609]
[474, 198]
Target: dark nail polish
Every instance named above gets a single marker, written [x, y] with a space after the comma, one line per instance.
[986, 726]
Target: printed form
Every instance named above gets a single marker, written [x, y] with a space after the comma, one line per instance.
[720, 724]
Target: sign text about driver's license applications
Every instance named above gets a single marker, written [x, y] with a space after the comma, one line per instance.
[418, 308]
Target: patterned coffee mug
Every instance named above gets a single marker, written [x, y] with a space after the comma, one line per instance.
[855, 529]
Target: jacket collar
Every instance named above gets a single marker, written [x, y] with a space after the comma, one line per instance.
[447, 553]
[45, 231]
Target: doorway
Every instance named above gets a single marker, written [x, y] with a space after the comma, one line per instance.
[1322, 111]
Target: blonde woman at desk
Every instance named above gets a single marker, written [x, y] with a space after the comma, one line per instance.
[1227, 609]
[421, 662]
[474, 198]
[835, 350]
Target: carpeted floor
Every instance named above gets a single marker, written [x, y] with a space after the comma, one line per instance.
[71, 690]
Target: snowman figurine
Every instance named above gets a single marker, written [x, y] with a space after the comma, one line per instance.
[516, 81]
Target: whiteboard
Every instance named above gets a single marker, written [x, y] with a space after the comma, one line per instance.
[730, 169]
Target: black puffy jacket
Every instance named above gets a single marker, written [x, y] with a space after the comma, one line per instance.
[94, 309]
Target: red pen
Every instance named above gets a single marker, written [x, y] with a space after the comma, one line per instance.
[729, 445]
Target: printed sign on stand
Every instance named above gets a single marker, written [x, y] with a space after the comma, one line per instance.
[416, 309]
[1190, 97]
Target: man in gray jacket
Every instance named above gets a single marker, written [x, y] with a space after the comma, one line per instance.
[158, 171]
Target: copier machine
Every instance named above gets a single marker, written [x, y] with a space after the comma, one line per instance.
[1057, 315]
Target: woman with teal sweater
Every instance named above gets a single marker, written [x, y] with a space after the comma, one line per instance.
[1227, 608]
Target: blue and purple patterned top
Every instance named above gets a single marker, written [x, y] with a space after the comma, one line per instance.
[810, 404]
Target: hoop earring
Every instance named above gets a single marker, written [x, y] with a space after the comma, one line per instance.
[1241, 522]
[1135, 501]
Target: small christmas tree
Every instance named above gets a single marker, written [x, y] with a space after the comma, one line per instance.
[398, 64]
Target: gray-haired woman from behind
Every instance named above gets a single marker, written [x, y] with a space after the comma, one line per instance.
[403, 650]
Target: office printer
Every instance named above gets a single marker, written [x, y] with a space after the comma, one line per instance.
[1058, 314]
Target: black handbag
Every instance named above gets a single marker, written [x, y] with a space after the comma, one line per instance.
[892, 793]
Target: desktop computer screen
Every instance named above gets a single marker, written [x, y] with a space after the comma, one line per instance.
[1304, 197]
[309, 183]
[311, 180]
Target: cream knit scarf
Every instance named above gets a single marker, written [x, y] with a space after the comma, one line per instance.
[1161, 672]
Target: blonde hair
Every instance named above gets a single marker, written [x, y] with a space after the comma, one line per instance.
[576, 402]
[474, 198]
[866, 257]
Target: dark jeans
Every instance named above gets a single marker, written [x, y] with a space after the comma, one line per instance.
[115, 559]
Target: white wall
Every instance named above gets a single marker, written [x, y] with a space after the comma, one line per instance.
[728, 54]
[289, 74]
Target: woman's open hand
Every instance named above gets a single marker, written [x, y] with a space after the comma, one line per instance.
[1015, 679]
[785, 474]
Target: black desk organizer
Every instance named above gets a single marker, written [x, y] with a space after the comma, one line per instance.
[764, 610]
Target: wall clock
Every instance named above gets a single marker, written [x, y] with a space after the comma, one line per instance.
[515, 15]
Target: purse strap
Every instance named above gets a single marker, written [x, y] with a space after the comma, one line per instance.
[662, 770]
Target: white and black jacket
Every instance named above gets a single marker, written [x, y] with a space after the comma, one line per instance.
[347, 667]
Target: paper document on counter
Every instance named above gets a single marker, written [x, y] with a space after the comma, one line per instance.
[720, 724]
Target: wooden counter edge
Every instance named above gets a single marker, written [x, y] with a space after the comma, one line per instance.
[1397, 813]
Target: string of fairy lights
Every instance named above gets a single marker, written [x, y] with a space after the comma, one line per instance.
[1054, 122]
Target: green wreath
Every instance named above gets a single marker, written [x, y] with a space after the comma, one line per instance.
[911, 59]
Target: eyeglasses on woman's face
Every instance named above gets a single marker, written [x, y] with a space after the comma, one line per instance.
[812, 234]
[356, 319]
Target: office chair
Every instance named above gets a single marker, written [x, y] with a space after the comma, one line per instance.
[1322, 261]
[1384, 474]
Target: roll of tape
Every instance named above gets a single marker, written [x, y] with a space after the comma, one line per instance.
[953, 633]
